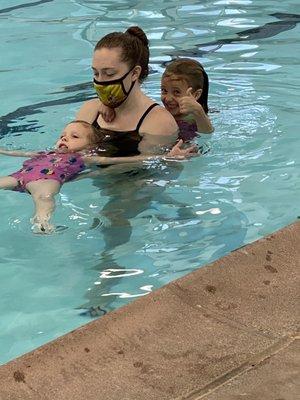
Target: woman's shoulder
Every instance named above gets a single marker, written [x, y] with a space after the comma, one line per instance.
[94, 103]
[162, 112]
[89, 110]
[161, 122]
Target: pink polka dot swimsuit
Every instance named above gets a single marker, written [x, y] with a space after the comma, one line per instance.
[60, 167]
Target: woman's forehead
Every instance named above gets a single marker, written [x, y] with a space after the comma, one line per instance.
[107, 58]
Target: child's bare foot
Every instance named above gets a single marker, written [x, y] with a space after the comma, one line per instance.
[42, 226]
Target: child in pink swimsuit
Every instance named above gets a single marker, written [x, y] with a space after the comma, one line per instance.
[42, 175]
[60, 167]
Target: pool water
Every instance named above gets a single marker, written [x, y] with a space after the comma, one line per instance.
[129, 234]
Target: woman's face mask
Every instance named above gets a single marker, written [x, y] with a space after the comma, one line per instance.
[112, 93]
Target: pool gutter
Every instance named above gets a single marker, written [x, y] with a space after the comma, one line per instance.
[225, 331]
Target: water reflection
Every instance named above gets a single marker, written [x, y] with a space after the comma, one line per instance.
[150, 226]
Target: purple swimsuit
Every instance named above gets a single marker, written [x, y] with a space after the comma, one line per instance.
[60, 167]
[187, 130]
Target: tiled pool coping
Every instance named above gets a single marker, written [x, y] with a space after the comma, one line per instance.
[226, 331]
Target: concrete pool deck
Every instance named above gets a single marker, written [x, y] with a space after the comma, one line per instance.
[227, 331]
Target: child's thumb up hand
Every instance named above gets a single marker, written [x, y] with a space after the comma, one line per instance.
[187, 102]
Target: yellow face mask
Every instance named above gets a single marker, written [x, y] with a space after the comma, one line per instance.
[112, 93]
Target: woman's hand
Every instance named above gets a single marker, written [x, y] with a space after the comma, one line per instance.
[108, 114]
[182, 153]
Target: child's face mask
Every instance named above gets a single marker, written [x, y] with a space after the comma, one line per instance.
[112, 93]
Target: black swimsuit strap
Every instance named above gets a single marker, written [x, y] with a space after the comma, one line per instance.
[96, 125]
[144, 116]
[95, 122]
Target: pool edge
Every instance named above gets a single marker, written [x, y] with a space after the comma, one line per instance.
[206, 335]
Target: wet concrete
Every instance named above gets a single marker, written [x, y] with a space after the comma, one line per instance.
[227, 331]
[276, 377]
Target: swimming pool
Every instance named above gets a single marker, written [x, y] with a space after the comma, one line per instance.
[181, 216]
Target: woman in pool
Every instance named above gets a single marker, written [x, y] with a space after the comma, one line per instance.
[138, 124]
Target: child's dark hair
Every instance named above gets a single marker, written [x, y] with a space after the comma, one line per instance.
[194, 74]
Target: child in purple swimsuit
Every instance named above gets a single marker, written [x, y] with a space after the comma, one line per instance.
[184, 93]
[79, 146]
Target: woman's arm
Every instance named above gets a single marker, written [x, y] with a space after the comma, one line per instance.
[176, 153]
[17, 153]
[91, 160]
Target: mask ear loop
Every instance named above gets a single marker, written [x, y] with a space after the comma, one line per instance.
[129, 90]
[122, 84]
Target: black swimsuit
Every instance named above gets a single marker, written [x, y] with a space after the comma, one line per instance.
[123, 143]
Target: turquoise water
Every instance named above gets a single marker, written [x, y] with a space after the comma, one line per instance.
[130, 234]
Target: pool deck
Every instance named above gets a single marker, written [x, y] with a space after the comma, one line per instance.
[227, 331]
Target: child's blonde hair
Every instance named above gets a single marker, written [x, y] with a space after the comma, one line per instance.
[193, 73]
[96, 137]
[94, 134]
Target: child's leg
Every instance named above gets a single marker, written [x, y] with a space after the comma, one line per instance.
[43, 193]
[8, 182]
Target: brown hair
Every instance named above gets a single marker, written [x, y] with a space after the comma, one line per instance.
[193, 73]
[96, 136]
[134, 47]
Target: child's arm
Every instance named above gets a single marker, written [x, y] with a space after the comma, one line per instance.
[202, 121]
[17, 153]
[108, 114]
[176, 153]
[189, 105]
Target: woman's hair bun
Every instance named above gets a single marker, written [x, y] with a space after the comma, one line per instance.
[139, 33]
